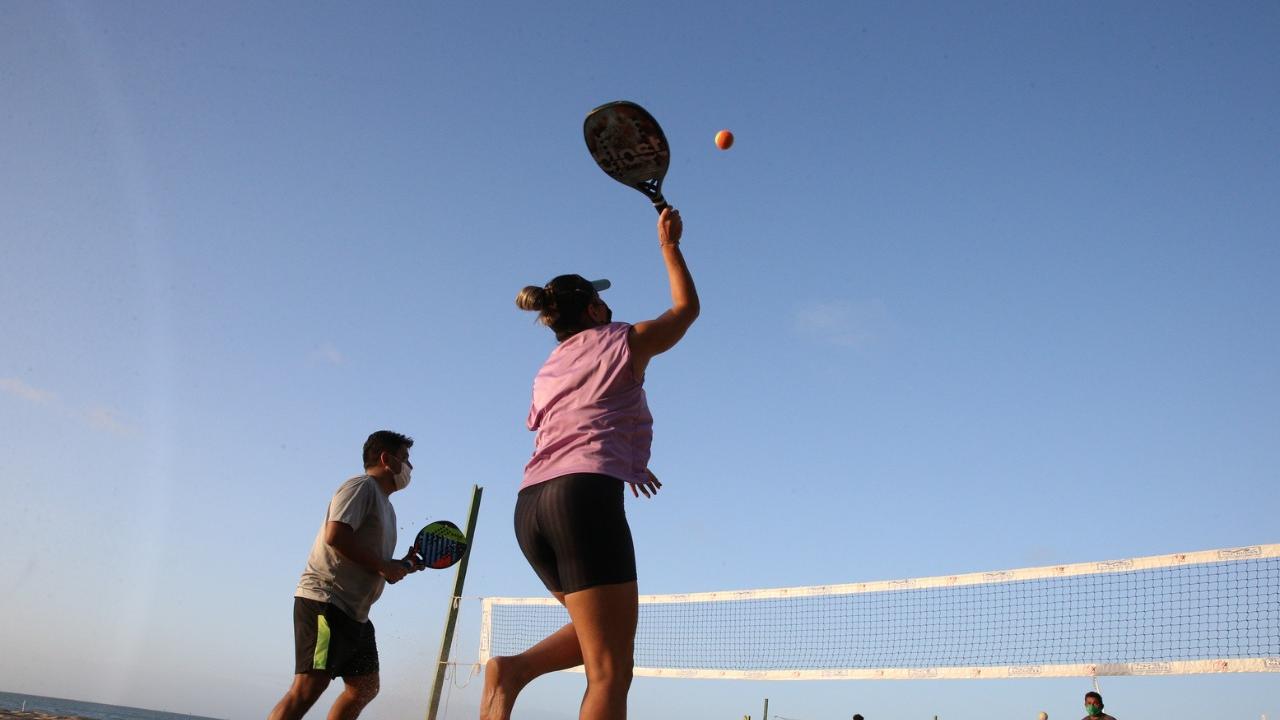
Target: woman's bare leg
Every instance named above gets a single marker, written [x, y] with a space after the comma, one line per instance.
[604, 618]
[601, 636]
[505, 677]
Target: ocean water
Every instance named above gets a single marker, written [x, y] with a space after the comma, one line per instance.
[96, 711]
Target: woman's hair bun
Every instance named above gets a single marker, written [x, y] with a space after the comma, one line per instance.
[532, 297]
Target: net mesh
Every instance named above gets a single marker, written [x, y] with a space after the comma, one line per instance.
[1169, 614]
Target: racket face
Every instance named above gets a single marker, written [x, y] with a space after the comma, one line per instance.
[629, 145]
[440, 544]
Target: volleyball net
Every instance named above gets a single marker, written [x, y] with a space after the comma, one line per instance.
[1212, 611]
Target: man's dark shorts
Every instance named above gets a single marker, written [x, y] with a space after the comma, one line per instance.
[328, 640]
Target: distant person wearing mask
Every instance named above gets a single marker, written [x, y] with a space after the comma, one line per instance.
[350, 563]
[1093, 706]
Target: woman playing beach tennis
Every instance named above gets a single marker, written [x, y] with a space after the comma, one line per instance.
[593, 435]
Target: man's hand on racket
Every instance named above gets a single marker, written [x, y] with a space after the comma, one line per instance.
[392, 571]
[648, 487]
[412, 560]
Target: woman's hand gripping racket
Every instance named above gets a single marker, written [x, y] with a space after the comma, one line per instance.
[629, 146]
[437, 546]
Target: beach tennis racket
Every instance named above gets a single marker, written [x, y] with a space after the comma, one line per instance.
[629, 146]
[439, 545]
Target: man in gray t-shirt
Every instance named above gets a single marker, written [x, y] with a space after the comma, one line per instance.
[332, 577]
[351, 561]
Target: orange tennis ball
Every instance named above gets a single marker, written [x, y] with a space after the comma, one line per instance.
[724, 139]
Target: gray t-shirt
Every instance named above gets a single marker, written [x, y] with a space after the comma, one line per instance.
[330, 577]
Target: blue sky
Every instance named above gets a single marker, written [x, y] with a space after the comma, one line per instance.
[985, 285]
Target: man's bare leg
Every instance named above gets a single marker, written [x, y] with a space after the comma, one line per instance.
[306, 689]
[359, 690]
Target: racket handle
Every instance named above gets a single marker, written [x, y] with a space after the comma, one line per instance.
[660, 204]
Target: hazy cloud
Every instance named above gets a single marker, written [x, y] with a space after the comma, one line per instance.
[106, 420]
[327, 353]
[14, 386]
[99, 418]
[843, 323]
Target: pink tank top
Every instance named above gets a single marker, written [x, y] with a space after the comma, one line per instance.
[589, 410]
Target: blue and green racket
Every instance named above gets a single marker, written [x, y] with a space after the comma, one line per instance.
[439, 545]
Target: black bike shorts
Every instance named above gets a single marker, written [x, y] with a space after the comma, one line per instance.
[573, 531]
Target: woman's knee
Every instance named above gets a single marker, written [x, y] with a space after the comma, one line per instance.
[610, 671]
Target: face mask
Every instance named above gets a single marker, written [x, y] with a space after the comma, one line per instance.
[1093, 710]
[402, 477]
[608, 311]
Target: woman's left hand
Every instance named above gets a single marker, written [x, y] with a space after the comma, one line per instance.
[648, 487]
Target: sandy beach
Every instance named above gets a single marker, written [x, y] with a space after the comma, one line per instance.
[34, 715]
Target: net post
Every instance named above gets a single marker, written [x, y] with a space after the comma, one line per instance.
[451, 617]
[486, 630]
[766, 709]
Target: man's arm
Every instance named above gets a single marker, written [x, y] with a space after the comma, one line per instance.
[342, 538]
